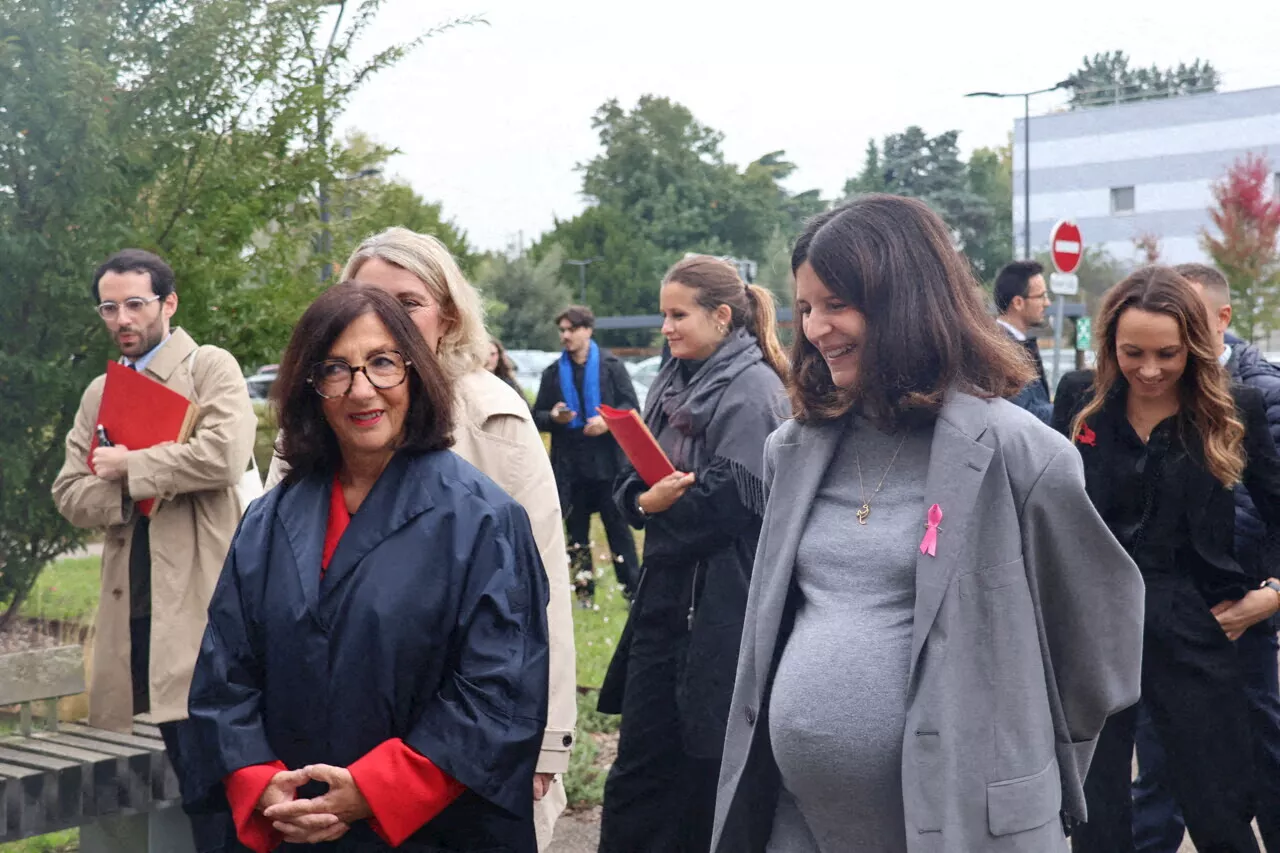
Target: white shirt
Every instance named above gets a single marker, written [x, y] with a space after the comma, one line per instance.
[1018, 334]
[1225, 355]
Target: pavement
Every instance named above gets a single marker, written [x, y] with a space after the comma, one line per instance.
[577, 832]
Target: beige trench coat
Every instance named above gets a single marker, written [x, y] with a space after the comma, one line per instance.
[191, 527]
[495, 432]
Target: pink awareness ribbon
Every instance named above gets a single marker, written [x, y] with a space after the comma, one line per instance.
[929, 545]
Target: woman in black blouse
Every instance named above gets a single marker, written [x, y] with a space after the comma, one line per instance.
[1164, 438]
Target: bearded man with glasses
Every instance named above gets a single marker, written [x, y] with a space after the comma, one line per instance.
[158, 573]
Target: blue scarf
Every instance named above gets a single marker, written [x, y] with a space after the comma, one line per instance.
[583, 409]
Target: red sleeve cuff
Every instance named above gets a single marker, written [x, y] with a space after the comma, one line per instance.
[244, 790]
[404, 789]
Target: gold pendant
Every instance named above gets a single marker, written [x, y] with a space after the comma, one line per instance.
[863, 513]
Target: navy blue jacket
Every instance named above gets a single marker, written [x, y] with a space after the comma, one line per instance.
[1254, 549]
[1035, 396]
[429, 626]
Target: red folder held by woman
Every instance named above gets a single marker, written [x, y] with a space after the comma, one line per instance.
[638, 443]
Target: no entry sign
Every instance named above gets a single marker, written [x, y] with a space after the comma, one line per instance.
[1065, 246]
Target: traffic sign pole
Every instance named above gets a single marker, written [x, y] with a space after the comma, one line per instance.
[1066, 248]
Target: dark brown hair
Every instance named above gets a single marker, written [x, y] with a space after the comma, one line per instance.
[1207, 403]
[137, 260]
[579, 316]
[716, 282]
[892, 259]
[307, 443]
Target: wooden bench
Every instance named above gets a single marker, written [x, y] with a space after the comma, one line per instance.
[119, 788]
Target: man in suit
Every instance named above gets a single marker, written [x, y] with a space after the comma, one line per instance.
[158, 572]
[1021, 299]
[586, 458]
[1157, 820]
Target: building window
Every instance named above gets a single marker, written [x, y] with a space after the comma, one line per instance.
[1121, 200]
[1275, 191]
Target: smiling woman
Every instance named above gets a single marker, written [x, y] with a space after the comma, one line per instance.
[388, 604]
[1164, 438]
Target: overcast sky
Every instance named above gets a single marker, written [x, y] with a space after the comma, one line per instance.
[492, 119]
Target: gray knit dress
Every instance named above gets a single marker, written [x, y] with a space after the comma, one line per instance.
[838, 705]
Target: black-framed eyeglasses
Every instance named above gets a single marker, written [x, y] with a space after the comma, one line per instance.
[134, 304]
[333, 376]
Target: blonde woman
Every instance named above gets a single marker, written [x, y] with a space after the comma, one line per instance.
[1164, 438]
[494, 431]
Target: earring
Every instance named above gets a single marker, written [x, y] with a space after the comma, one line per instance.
[723, 330]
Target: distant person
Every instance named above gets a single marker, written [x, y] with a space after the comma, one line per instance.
[1165, 438]
[499, 364]
[711, 407]
[158, 573]
[939, 622]
[1158, 824]
[585, 457]
[493, 430]
[374, 674]
[1021, 299]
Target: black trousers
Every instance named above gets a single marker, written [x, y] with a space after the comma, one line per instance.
[586, 498]
[212, 826]
[1193, 689]
[658, 798]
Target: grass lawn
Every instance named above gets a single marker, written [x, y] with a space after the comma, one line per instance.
[67, 591]
[56, 842]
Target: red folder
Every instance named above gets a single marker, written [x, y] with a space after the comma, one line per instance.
[638, 443]
[138, 412]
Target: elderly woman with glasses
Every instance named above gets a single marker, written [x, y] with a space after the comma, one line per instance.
[374, 672]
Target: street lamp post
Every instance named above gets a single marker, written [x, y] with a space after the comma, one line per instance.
[582, 275]
[1026, 152]
[1060, 313]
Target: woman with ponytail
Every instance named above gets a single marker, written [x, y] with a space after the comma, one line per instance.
[711, 408]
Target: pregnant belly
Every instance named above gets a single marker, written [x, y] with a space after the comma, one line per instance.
[836, 718]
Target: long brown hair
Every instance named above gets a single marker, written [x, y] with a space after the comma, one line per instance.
[1204, 387]
[716, 282]
[927, 330]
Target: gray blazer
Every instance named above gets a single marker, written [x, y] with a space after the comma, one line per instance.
[1028, 634]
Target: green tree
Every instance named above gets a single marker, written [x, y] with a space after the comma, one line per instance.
[1107, 78]
[660, 187]
[990, 174]
[914, 164]
[184, 128]
[628, 267]
[531, 293]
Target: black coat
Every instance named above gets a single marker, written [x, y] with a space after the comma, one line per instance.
[1211, 511]
[1253, 546]
[574, 455]
[698, 557]
[429, 626]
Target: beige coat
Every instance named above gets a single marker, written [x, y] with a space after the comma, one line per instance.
[495, 432]
[191, 528]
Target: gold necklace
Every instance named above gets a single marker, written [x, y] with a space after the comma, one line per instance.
[865, 510]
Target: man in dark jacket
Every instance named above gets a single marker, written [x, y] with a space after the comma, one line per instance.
[585, 457]
[1021, 298]
[1157, 820]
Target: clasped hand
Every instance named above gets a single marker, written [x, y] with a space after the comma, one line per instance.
[1236, 617]
[319, 819]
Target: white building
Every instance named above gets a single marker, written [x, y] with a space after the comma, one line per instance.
[1141, 169]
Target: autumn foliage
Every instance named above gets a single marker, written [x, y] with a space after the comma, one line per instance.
[1246, 215]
